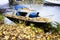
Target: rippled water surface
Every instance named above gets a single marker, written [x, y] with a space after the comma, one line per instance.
[52, 12]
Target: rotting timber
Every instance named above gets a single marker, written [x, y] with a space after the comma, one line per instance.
[28, 19]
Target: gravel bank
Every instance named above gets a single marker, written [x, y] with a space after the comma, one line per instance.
[23, 32]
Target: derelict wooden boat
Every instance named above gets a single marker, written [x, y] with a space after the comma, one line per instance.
[36, 19]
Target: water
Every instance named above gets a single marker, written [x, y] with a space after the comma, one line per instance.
[9, 22]
[52, 12]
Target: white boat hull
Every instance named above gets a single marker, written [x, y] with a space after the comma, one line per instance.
[53, 1]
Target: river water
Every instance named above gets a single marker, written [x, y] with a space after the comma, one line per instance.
[52, 12]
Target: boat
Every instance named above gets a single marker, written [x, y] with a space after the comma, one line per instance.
[26, 14]
[22, 12]
[52, 2]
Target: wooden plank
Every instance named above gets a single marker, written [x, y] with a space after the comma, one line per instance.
[36, 19]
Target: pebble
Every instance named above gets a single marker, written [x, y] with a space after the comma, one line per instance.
[23, 32]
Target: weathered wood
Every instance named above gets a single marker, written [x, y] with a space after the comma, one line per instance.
[36, 19]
